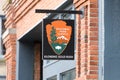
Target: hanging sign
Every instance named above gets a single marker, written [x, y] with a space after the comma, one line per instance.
[58, 39]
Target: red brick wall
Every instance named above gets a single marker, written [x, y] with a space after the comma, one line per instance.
[37, 62]
[10, 43]
[87, 40]
[28, 18]
[10, 56]
[21, 15]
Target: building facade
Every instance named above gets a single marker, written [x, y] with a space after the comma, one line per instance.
[22, 39]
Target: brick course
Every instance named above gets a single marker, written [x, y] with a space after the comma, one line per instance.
[87, 40]
[21, 15]
[37, 64]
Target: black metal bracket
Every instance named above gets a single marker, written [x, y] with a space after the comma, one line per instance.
[57, 11]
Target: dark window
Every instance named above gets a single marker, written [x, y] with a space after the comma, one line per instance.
[68, 75]
[52, 78]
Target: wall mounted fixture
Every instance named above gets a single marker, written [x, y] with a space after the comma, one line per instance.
[58, 11]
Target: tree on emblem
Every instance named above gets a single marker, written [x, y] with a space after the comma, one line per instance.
[53, 35]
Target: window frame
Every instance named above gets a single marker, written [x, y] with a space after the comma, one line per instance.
[66, 72]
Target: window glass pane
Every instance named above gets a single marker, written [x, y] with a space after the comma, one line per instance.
[52, 78]
[66, 16]
[68, 75]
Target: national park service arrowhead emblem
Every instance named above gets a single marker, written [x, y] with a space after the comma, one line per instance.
[58, 35]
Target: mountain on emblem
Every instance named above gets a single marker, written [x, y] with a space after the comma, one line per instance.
[58, 35]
